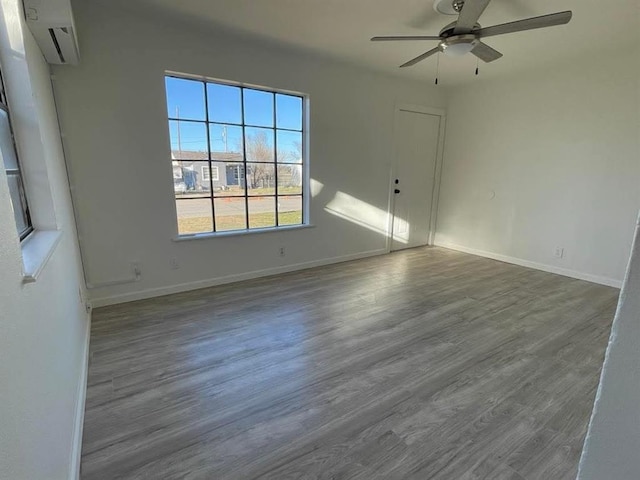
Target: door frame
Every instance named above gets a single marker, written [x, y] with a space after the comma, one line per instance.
[435, 196]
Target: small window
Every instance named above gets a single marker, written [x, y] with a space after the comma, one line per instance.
[213, 176]
[237, 154]
[11, 163]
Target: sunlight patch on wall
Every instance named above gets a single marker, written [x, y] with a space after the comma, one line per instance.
[361, 213]
[12, 28]
[316, 187]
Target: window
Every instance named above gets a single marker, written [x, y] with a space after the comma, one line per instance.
[237, 155]
[210, 174]
[9, 155]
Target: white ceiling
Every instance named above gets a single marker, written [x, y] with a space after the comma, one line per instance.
[342, 28]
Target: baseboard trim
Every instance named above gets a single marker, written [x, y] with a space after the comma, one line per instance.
[81, 396]
[212, 282]
[610, 282]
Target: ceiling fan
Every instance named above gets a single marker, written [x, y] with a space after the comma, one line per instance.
[465, 35]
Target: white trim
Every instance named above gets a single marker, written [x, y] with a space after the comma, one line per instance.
[81, 396]
[216, 177]
[232, 83]
[233, 233]
[390, 204]
[437, 178]
[37, 249]
[610, 282]
[184, 287]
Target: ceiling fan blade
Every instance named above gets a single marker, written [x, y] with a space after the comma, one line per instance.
[469, 15]
[419, 58]
[543, 21]
[404, 37]
[485, 53]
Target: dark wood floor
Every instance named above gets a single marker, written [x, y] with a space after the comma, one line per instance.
[425, 364]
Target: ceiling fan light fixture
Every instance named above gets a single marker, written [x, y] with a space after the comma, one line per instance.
[457, 49]
[458, 45]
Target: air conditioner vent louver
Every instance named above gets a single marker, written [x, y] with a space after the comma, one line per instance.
[56, 45]
[51, 23]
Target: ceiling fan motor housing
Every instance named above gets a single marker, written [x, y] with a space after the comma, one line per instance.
[447, 31]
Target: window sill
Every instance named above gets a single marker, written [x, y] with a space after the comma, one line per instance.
[235, 233]
[36, 251]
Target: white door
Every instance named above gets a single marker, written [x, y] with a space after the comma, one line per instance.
[417, 137]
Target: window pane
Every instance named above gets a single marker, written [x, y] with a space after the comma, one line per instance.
[289, 179]
[262, 212]
[225, 139]
[194, 215]
[7, 149]
[261, 179]
[230, 214]
[185, 98]
[290, 210]
[224, 103]
[188, 140]
[289, 146]
[259, 144]
[288, 112]
[191, 179]
[215, 174]
[231, 179]
[258, 108]
[18, 203]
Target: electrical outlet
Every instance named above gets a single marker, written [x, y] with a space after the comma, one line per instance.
[282, 252]
[558, 252]
[137, 270]
[175, 265]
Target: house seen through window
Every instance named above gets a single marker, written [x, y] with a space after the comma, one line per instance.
[9, 155]
[237, 156]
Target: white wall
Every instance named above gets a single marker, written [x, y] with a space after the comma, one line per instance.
[559, 148]
[43, 325]
[113, 114]
[613, 440]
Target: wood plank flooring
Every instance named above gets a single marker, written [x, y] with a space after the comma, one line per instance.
[422, 364]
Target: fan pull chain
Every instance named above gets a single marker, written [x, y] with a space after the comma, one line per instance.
[477, 65]
[437, 67]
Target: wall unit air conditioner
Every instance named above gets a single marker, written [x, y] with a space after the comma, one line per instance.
[51, 23]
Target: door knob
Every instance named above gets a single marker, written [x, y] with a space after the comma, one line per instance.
[396, 191]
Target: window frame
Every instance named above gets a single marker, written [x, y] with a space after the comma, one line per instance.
[305, 179]
[17, 172]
